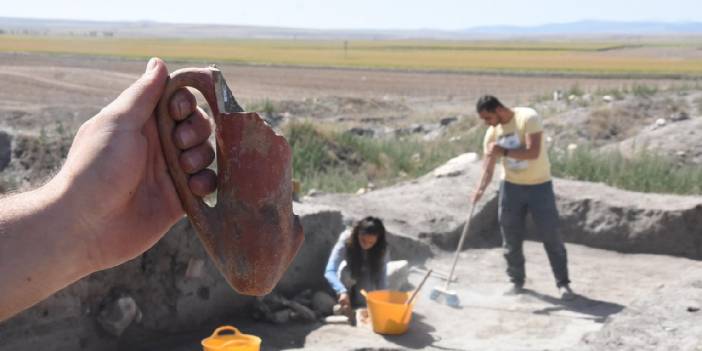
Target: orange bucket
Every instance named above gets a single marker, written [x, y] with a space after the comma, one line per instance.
[231, 342]
[388, 311]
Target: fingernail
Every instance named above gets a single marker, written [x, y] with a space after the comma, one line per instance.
[187, 137]
[183, 108]
[151, 65]
[193, 160]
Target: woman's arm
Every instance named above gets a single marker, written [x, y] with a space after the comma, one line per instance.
[383, 283]
[331, 272]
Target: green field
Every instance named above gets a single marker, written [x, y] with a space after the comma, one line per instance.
[622, 58]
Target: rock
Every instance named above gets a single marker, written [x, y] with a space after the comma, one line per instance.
[118, 315]
[455, 166]
[571, 148]
[313, 192]
[304, 297]
[323, 303]
[302, 312]
[363, 132]
[607, 98]
[447, 121]
[5, 149]
[336, 320]
[661, 122]
[680, 116]
[281, 317]
[398, 272]
[361, 191]
[195, 268]
[557, 95]
[275, 301]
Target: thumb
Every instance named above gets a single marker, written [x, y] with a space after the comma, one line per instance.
[133, 107]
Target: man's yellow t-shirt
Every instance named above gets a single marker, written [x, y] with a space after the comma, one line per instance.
[513, 136]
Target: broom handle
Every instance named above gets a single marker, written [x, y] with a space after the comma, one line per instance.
[414, 294]
[460, 246]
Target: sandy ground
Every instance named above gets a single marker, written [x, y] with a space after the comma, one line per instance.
[488, 320]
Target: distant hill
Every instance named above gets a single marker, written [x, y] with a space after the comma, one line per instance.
[182, 30]
[594, 28]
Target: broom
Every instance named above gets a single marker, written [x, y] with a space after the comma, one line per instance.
[444, 294]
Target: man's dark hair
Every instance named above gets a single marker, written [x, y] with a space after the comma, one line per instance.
[488, 103]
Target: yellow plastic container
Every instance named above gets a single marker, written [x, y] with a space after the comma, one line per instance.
[388, 311]
[231, 342]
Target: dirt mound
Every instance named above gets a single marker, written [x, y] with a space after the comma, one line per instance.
[598, 123]
[677, 140]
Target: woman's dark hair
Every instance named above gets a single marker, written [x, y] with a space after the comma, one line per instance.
[376, 254]
[488, 103]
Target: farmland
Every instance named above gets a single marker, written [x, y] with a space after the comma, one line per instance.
[607, 58]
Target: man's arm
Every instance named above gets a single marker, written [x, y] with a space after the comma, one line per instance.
[530, 151]
[41, 248]
[486, 176]
[111, 201]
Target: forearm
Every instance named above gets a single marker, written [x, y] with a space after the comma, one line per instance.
[487, 174]
[40, 249]
[523, 153]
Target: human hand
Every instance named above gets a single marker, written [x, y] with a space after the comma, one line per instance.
[115, 176]
[477, 195]
[494, 150]
[344, 300]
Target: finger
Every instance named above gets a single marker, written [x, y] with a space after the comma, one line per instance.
[182, 104]
[203, 183]
[193, 131]
[135, 105]
[196, 159]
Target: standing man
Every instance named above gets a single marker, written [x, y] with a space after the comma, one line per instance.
[515, 137]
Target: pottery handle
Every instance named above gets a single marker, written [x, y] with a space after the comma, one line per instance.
[201, 79]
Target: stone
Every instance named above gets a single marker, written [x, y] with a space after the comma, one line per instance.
[323, 303]
[195, 268]
[447, 121]
[336, 320]
[281, 317]
[5, 149]
[398, 272]
[302, 312]
[455, 166]
[118, 315]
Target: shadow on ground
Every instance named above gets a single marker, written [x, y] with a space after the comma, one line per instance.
[596, 310]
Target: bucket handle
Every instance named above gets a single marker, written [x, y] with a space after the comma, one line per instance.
[219, 330]
[225, 328]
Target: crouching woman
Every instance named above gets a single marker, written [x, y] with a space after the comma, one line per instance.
[358, 261]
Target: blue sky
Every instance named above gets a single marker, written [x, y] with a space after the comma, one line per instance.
[375, 14]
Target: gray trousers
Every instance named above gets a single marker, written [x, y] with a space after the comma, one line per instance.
[539, 200]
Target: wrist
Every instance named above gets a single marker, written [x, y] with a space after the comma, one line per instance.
[68, 224]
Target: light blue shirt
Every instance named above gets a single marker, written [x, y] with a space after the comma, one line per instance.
[337, 261]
